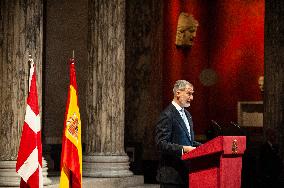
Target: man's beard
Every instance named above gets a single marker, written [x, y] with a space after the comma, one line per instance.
[187, 104]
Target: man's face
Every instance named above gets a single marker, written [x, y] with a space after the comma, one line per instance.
[185, 96]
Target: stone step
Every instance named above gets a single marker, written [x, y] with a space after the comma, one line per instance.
[123, 182]
[147, 186]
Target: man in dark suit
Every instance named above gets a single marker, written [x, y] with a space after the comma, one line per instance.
[174, 136]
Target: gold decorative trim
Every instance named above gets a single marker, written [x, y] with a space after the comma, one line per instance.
[235, 146]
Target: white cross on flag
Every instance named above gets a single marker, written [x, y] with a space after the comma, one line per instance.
[29, 162]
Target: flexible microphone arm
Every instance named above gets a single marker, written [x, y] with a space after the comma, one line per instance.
[215, 123]
[235, 124]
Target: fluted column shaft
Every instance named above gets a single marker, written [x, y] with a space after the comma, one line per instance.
[105, 153]
[20, 35]
[273, 66]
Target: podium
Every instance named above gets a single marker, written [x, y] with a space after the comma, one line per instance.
[217, 163]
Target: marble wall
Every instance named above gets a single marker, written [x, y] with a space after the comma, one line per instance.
[65, 31]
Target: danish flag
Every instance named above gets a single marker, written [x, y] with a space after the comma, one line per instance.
[29, 162]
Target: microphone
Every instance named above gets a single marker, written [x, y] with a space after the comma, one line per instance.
[215, 123]
[235, 124]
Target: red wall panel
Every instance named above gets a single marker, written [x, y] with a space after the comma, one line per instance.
[229, 40]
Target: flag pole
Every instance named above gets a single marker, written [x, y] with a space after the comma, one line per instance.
[31, 64]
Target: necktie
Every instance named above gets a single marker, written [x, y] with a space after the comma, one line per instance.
[183, 116]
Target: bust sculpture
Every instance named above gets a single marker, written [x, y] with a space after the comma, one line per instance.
[261, 83]
[186, 30]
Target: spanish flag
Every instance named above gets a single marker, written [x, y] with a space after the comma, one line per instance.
[71, 154]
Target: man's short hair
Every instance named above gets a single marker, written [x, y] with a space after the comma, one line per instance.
[181, 85]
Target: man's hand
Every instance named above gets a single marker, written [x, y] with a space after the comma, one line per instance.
[187, 149]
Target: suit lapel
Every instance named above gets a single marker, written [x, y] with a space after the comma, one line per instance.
[181, 122]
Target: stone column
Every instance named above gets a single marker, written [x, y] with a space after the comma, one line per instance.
[273, 66]
[20, 35]
[105, 155]
[143, 76]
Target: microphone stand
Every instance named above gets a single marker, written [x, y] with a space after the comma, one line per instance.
[219, 129]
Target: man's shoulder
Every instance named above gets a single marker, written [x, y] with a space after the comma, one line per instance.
[169, 109]
[168, 112]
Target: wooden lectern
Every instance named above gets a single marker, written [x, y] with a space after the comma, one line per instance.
[217, 163]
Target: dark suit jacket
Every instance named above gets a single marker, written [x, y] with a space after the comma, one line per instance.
[170, 135]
